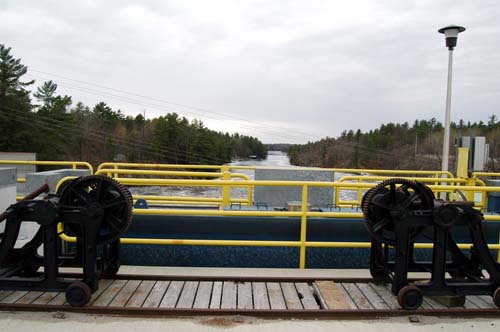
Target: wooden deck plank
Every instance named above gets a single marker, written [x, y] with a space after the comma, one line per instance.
[386, 295]
[306, 295]
[245, 299]
[109, 294]
[46, 297]
[487, 299]
[292, 299]
[469, 304]
[229, 295]
[29, 297]
[260, 298]
[216, 298]
[202, 300]
[5, 293]
[375, 300]
[141, 293]
[14, 296]
[188, 294]
[425, 304]
[172, 295]
[156, 295]
[276, 300]
[59, 299]
[103, 285]
[434, 304]
[125, 293]
[359, 299]
[480, 302]
[332, 295]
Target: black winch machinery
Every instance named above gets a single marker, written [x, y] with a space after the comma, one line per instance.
[95, 209]
[398, 213]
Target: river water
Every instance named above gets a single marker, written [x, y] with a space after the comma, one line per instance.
[274, 159]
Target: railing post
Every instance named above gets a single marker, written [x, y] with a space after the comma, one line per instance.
[359, 194]
[470, 194]
[249, 195]
[498, 254]
[303, 228]
[226, 190]
[337, 194]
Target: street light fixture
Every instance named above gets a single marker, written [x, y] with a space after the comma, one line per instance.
[451, 34]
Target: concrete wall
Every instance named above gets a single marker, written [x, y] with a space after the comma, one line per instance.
[279, 196]
[36, 180]
[22, 170]
[7, 190]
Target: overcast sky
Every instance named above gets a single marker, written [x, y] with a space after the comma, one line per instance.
[284, 71]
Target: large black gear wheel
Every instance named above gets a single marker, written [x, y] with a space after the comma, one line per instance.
[390, 195]
[104, 193]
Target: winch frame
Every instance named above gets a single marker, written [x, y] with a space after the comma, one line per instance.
[19, 266]
[406, 222]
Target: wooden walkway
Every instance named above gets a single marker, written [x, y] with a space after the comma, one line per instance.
[234, 295]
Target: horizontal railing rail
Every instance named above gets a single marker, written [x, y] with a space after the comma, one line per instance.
[112, 172]
[454, 194]
[224, 175]
[485, 174]
[234, 167]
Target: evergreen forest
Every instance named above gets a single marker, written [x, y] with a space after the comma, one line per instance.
[396, 146]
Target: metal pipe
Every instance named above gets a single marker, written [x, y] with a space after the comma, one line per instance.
[446, 139]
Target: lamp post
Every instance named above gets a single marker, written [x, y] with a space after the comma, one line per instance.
[451, 34]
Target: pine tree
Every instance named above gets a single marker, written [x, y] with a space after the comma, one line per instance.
[15, 107]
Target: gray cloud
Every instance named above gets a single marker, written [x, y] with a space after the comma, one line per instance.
[314, 68]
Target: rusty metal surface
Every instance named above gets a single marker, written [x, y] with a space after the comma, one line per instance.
[322, 313]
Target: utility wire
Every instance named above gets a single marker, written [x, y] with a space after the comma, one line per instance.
[205, 110]
[375, 151]
[128, 100]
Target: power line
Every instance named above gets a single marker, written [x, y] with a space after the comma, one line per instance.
[157, 107]
[258, 127]
[374, 151]
[164, 101]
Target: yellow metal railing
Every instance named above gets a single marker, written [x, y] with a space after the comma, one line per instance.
[73, 164]
[485, 174]
[155, 166]
[454, 193]
[439, 174]
[114, 172]
[224, 175]
[303, 214]
[108, 165]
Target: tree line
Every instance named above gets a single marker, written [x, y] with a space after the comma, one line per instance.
[396, 146]
[50, 124]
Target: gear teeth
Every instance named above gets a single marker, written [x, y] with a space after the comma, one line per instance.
[427, 198]
[123, 191]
